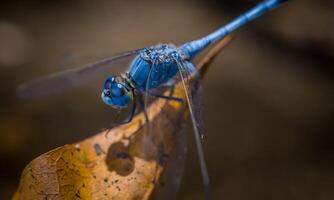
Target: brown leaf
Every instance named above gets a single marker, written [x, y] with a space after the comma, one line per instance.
[124, 165]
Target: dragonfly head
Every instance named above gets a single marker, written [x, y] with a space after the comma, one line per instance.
[116, 92]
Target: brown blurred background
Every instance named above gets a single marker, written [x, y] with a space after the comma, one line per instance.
[268, 98]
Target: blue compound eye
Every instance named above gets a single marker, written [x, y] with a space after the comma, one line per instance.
[107, 93]
[115, 93]
[109, 81]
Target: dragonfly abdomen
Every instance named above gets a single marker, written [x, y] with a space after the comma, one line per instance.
[190, 49]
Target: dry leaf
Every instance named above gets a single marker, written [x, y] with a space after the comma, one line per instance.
[124, 165]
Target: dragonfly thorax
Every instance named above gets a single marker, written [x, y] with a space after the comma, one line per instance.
[162, 53]
[155, 66]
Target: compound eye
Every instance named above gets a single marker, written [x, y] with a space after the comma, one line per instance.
[123, 92]
[122, 89]
[109, 82]
[107, 93]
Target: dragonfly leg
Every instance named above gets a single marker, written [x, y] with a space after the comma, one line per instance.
[169, 98]
[130, 117]
[133, 110]
[142, 105]
[128, 120]
[165, 87]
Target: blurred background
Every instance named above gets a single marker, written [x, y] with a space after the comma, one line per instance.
[268, 97]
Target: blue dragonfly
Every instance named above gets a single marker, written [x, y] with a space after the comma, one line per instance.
[152, 68]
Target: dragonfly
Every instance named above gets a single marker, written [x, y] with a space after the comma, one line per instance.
[152, 68]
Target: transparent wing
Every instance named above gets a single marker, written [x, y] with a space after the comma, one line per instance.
[156, 130]
[173, 160]
[163, 140]
[191, 84]
[58, 82]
